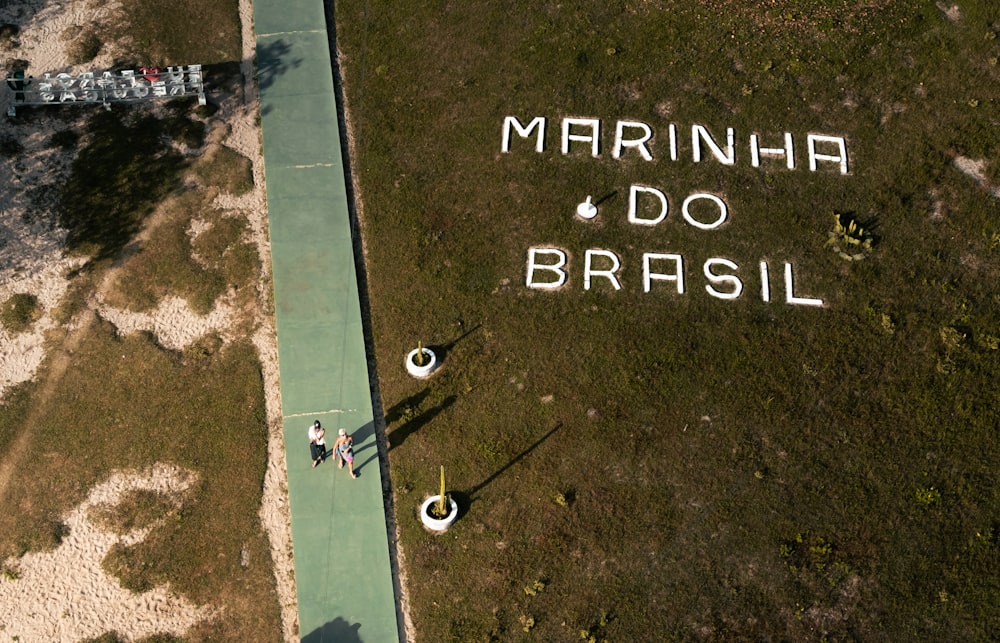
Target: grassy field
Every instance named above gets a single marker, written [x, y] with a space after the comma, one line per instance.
[102, 402]
[667, 466]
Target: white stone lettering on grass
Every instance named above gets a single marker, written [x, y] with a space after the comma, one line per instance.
[756, 151]
[840, 157]
[723, 211]
[638, 143]
[704, 146]
[633, 198]
[672, 132]
[765, 282]
[636, 191]
[790, 293]
[590, 271]
[737, 285]
[594, 138]
[537, 123]
[699, 134]
[548, 268]
[719, 272]
[648, 276]
[556, 267]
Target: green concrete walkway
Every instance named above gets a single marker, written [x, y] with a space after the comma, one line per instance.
[342, 566]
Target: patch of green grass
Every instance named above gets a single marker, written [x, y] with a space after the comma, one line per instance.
[137, 510]
[226, 168]
[698, 435]
[199, 269]
[20, 311]
[165, 266]
[189, 32]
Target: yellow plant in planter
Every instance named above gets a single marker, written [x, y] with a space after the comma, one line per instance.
[440, 508]
[420, 358]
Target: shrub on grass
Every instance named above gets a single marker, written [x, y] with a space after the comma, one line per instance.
[8, 35]
[83, 47]
[180, 127]
[20, 311]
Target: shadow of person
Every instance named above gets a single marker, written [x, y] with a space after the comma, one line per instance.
[336, 631]
[361, 443]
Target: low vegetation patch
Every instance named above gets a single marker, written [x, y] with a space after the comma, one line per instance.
[20, 311]
[125, 402]
[224, 167]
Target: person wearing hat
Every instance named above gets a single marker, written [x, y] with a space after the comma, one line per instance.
[344, 450]
[317, 443]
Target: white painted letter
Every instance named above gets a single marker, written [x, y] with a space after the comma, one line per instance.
[633, 192]
[718, 279]
[841, 157]
[765, 282]
[699, 133]
[639, 143]
[756, 150]
[648, 277]
[593, 137]
[723, 211]
[523, 132]
[555, 267]
[790, 296]
[609, 273]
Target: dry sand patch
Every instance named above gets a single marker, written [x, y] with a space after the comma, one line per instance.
[65, 594]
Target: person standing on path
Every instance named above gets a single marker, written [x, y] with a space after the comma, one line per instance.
[344, 450]
[317, 443]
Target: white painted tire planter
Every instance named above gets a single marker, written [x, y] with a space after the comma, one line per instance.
[421, 371]
[434, 524]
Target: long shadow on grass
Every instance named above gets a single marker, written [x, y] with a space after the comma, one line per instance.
[443, 350]
[399, 435]
[338, 630]
[479, 487]
[406, 406]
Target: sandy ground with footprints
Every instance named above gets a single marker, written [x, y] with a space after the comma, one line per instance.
[64, 594]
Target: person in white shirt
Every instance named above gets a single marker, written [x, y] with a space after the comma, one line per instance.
[317, 443]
